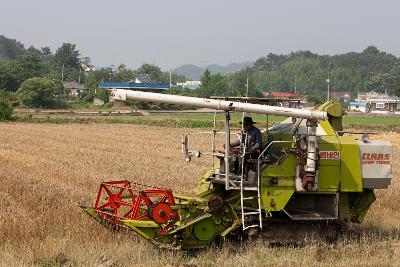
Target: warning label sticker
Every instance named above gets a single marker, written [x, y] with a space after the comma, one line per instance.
[335, 155]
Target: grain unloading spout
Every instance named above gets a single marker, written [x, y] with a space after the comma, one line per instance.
[123, 95]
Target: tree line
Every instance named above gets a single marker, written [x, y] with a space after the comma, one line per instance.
[33, 77]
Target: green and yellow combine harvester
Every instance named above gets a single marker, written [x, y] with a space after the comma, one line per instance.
[309, 178]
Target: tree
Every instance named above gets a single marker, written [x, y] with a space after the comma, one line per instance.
[123, 74]
[153, 71]
[206, 78]
[14, 72]
[267, 81]
[46, 51]
[67, 55]
[394, 79]
[315, 98]
[371, 50]
[6, 111]
[11, 48]
[100, 75]
[6, 108]
[39, 93]
[33, 50]
[378, 82]
[9, 76]
[271, 61]
[30, 66]
[237, 83]
[65, 63]
[215, 84]
[205, 89]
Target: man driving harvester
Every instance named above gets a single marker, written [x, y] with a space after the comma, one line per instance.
[253, 149]
[254, 138]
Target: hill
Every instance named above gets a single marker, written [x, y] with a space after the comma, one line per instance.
[371, 69]
[195, 72]
[191, 71]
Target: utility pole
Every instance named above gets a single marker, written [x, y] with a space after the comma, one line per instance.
[170, 79]
[328, 81]
[247, 94]
[247, 86]
[62, 73]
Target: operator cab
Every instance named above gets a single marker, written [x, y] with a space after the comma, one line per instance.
[238, 165]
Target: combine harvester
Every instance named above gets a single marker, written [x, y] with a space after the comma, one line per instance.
[309, 179]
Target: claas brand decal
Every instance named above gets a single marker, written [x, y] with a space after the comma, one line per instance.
[375, 158]
[329, 155]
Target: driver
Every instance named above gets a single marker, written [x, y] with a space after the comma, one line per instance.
[254, 137]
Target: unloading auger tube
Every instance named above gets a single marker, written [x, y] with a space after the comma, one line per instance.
[123, 95]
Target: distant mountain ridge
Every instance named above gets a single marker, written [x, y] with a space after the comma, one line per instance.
[194, 72]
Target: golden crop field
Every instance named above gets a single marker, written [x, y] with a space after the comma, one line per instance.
[47, 170]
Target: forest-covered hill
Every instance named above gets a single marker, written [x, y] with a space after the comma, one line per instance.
[369, 70]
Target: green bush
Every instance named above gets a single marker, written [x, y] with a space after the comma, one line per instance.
[6, 111]
[40, 93]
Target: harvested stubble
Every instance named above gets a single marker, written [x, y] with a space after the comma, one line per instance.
[47, 170]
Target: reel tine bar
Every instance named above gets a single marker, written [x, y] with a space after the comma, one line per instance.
[118, 201]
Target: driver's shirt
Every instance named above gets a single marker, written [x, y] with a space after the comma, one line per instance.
[255, 138]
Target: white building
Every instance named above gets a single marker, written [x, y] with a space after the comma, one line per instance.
[374, 102]
[74, 89]
[358, 106]
[190, 84]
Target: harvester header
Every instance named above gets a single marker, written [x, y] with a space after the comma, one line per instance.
[123, 95]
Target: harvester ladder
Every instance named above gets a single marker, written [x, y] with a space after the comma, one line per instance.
[250, 212]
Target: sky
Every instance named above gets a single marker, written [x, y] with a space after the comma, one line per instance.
[170, 33]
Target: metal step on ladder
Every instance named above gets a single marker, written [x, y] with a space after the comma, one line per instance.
[250, 211]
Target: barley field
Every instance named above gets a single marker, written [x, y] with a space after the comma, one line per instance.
[47, 170]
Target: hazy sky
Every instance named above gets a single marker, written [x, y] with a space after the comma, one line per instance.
[174, 32]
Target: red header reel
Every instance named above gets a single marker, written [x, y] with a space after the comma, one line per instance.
[118, 201]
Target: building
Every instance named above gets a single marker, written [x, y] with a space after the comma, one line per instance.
[145, 87]
[374, 102]
[286, 95]
[344, 97]
[142, 83]
[143, 78]
[285, 99]
[189, 84]
[74, 89]
[359, 106]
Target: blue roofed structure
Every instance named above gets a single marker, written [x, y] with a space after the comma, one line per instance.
[146, 87]
[359, 106]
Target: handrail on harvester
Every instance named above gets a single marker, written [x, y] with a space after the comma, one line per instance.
[123, 95]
